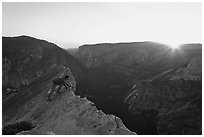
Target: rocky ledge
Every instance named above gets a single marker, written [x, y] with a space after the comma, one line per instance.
[66, 114]
[70, 114]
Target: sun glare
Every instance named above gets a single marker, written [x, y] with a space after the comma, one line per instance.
[174, 46]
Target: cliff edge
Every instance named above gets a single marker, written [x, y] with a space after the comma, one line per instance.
[65, 114]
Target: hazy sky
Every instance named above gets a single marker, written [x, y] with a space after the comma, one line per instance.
[73, 24]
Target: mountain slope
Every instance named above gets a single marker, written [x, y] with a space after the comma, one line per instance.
[25, 59]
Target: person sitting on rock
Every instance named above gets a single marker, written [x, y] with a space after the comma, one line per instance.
[58, 82]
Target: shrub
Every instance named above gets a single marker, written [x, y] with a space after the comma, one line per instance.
[17, 127]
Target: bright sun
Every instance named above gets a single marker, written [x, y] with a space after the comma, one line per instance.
[174, 46]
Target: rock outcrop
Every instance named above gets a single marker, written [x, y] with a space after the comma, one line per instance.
[65, 114]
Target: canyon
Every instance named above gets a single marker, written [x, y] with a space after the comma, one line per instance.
[148, 87]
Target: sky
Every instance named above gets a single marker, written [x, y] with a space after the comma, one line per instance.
[70, 25]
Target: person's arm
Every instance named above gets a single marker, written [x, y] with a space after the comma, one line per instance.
[65, 84]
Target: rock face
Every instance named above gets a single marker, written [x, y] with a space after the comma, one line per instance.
[65, 114]
[25, 59]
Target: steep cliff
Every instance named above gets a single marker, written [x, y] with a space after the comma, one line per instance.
[65, 114]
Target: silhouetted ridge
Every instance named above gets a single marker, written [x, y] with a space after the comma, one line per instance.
[125, 43]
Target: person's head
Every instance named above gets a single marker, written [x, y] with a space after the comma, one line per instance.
[66, 77]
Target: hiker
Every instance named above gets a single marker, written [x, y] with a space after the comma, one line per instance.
[58, 82]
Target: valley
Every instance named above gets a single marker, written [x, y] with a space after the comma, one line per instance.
[150, 87]
[159, 79]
